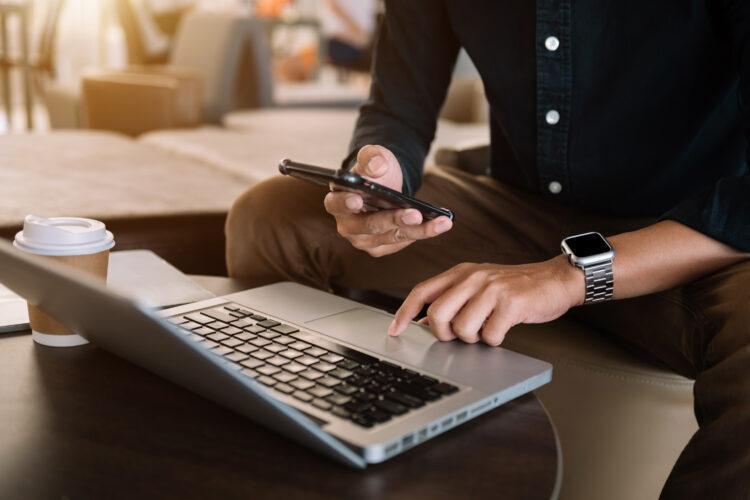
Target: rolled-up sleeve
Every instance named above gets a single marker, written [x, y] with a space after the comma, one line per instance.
[414, 57]
[723, 210]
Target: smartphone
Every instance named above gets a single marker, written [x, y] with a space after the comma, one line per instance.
[375, 196]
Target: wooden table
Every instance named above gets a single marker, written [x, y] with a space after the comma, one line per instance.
[80, 423]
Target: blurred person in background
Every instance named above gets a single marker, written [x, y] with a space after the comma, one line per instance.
[348, 27]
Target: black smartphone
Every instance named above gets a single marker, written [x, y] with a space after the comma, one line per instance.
[375, 196]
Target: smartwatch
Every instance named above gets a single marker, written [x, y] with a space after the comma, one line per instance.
[592, 253]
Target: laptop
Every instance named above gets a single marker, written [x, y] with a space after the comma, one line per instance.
[312, 366]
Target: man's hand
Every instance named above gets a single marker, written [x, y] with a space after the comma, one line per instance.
[386, 231]
[483, 301]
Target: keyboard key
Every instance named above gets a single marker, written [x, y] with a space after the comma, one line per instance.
[216, 325]
[320, 392]
[315, 351]
[232, 307]
[295, 367]
[284, 340]
[285, 329]
[284, 376]
[303, 396]
[391, 407]
[209, 344]
[425, 380]
[252, 363]
[230, 342]
[258, 317]
[302, 384]
[268, 370]
[242, 323]
[222, 350]
[268, 323]
[243, 311]
[260, 342]
[266, 380]
[250, 373]
[291, 354]
[191, 325]
[196, 338]
[324, 367]
[348, 364]
[356, 406]
[204, 331]
[328, 381]
[331, 357]
[200, 318]
[217, 337]
[338, 399]
[268, 334]
[284, 388]
[405, 399]
[254, 329]
[323, 405]
[359, 357]
[221, 314]
[340, 373]
[247, 348]
[377, 416]
[423, 393]
[244, 336]
[177, 320]
[262, 354]
[237, 357]
[346, 389]
[307, 360]
[339, 412]
[231, 330]
[444, 388]
[361, 421]
[275, 348]
[311, 374]
[299, 345]
[278, 361]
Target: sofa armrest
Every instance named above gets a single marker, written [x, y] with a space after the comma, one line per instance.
[471, 157]
[139, 100]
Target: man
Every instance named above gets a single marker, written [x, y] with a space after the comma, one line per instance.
[618, 117]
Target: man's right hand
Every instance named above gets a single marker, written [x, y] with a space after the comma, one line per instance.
[386, 231]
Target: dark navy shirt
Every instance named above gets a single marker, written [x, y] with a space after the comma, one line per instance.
[620, 107]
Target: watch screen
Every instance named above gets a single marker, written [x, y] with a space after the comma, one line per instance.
[588, 244]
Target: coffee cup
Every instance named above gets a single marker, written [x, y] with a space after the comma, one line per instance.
[82, 244]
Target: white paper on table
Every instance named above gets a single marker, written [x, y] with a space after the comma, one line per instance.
[13, 313]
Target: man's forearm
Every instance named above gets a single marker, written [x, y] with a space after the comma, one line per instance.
[665, 255]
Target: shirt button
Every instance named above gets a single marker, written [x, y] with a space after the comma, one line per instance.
[552, 117]
[554, 187]
[552, 43]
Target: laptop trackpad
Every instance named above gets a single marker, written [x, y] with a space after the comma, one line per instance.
[369, 329]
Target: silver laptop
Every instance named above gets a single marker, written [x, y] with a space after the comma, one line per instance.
[312, 366]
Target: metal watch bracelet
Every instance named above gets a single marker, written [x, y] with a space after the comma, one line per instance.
[599, 282]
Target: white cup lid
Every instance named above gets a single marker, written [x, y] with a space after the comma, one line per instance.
[63, 236]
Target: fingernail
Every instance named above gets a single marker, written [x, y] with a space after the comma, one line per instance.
[351, 203]
[375, 164]
[442, 226]
[411, 217]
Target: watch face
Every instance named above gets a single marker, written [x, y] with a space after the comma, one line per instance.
[587, 245]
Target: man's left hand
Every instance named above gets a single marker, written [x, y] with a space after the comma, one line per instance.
[476, 302]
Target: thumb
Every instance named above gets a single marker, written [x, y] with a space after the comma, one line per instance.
[372, 162]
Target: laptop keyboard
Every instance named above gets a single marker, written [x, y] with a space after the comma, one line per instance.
[345, 382]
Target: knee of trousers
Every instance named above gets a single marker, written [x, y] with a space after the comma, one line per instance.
[261, 217]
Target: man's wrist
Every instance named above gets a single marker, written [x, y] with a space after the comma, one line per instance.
[572, 279]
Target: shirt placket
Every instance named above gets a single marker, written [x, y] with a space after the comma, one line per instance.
[554, 82]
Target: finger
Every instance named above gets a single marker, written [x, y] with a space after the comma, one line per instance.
[422, 294]
[500, 321]
[444, 309]
[410, 233]
[472, 317]
[372, 161]
[424, 321]
[338, 203]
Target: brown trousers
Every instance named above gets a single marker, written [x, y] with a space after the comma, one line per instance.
[278, 231]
